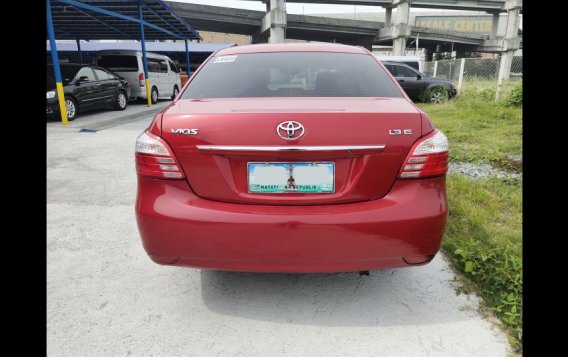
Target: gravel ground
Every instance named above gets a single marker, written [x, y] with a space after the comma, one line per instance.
[105, 297]
[482, 171]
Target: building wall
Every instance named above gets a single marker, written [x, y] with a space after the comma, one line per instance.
[218, 37]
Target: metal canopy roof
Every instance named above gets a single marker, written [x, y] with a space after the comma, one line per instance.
[117, 20]
[150, 46]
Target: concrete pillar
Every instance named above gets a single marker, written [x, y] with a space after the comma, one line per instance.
[494, 25]
[510, 43]
[428, 55]
[278, 21]
[388, 16]
[400, 29]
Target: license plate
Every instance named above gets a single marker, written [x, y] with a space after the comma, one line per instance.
[291, 177]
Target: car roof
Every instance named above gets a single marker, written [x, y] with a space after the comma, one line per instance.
[70, 65]
[398, 64]
[399, 58]
[291, 47]
[395, 62]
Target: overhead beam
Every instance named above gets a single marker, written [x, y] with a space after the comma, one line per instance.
[472, 5]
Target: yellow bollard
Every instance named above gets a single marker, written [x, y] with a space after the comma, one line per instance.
[148, 92]
[62, 106]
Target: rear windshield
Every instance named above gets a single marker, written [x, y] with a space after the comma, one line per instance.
[118, 63]
[291, 74]
[413, 65]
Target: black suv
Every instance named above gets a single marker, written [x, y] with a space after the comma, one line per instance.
[420, 87]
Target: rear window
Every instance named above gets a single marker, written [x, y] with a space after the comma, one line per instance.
[291, 74]
[412, 64]
[118, 63]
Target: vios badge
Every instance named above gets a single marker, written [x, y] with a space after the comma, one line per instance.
[184, 131]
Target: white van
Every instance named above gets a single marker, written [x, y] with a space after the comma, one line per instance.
[164, 75]
[415, 62]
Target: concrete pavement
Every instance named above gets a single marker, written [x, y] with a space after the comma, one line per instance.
[105, 297]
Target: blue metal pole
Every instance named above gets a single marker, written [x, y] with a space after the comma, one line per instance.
[188, 71]
[144, 60]
[56, 69]
[79, 49]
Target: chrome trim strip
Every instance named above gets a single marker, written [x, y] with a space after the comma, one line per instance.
[289, 148]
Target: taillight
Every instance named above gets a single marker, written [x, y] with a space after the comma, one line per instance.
[427, 158]
[141, 79]
[155, 158]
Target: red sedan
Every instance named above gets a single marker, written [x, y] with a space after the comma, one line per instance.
[292, 158]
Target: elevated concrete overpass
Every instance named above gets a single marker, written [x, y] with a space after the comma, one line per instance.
[249, 22]
[399, 30]
[471, 5]
[317, 28]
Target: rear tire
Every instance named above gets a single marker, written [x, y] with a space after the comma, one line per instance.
[120, 103]
[154, 95]
[71, 106]
[176, 91]
[437, 95]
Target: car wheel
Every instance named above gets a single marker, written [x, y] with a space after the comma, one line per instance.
[71, 107]
[121, 101]
[437, 95]
[176, 91]
[154, 95]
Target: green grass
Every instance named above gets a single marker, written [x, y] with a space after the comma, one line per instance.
[479, 129]
[483, 238]
[484, 241]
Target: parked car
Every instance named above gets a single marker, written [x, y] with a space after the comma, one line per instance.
[163, 73]
[415, 62]
[292, 158]
[86, 88]
[420, 87]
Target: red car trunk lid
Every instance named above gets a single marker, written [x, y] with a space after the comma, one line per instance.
[367, 139]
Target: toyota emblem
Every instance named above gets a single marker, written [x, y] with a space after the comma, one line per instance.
[290, 130]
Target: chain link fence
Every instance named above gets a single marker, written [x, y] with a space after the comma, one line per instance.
[478, 72]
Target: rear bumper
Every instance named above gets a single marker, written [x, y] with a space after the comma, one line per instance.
[128, 91]
[136, 91]
[179, 228]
